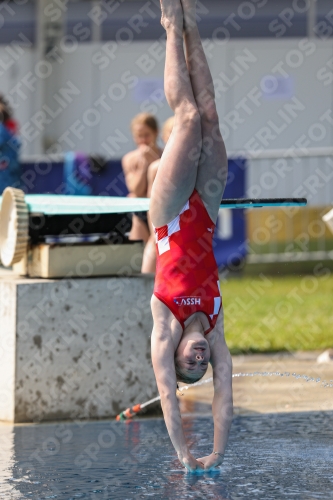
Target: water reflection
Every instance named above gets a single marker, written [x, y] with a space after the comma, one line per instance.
[7, 461]
[275, 456]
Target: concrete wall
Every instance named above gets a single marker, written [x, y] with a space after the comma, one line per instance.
[74, 348]
[7, 350]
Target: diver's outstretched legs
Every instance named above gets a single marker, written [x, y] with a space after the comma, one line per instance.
[177, 172]
[213, 164]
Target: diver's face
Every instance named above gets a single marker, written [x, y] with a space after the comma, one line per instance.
[193, 355]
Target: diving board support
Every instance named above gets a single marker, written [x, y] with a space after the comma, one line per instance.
[81, 261]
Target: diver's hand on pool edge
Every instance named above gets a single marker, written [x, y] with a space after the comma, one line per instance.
[211, 462]
[191, 464]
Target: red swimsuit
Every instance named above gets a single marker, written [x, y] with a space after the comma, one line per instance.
[187, 279]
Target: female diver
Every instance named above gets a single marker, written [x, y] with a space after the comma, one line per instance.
[188, 328]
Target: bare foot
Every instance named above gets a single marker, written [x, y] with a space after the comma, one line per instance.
[189, 10]
[172, 14]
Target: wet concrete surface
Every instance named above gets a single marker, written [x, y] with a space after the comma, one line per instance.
[280, 456]
[270, 394]
[280, 446]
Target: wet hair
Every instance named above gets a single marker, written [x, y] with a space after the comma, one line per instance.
[181, 377]
[145, 119]
[5, 109]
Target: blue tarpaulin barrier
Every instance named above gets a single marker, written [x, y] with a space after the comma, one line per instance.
[230, 236]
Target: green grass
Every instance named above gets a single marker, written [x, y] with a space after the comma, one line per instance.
[282, 247]
[269, 314]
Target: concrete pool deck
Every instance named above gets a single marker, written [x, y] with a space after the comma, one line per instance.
[270, 394]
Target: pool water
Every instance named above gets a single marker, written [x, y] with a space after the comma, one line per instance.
[271, 456]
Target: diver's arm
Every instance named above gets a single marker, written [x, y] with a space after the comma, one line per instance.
[222, 378]
[164, 369]
[163, 364]
[222, 405]
[222, 402]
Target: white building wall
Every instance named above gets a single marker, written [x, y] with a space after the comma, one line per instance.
[274, 94]
[270, 94]
[279, 95]
[304, 177]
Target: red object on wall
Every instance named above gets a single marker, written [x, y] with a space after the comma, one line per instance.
[12, 126]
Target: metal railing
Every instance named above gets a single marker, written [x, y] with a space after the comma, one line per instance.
[287, 235]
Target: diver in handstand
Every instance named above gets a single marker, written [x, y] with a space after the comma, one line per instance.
[188, 328]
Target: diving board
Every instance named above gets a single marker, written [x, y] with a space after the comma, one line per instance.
[44, 225]
[53, 204]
